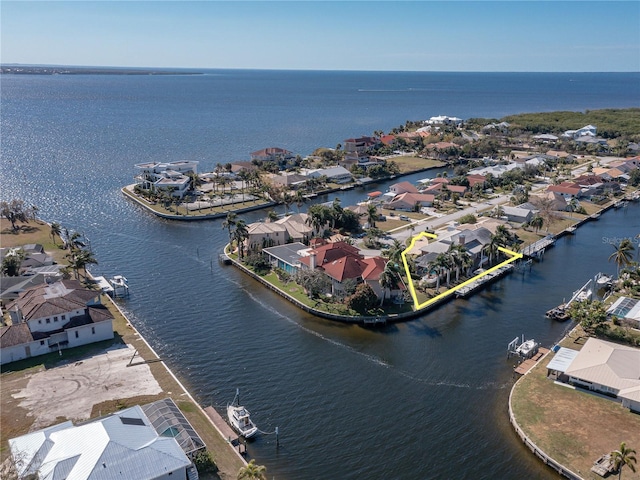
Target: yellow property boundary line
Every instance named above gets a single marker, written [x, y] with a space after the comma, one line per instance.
[418, 306]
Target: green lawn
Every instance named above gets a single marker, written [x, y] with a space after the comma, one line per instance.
[409, 164]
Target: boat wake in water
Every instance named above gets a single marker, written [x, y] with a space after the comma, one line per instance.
[372, 358]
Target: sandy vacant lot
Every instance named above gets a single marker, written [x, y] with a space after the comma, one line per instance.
[71, 390]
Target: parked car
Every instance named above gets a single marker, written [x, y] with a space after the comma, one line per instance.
[404, 217]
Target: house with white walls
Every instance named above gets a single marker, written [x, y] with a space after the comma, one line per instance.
[172, 177]
[124, 444]
[51, 317]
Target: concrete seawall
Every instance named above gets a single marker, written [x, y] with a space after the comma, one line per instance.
[361, 320]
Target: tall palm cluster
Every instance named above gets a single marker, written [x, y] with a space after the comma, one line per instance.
[238, 231]
[321, 217]
[456, 258]
[79, 252]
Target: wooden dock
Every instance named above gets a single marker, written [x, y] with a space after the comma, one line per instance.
[529, 363]
[225, 430]
[537, 249]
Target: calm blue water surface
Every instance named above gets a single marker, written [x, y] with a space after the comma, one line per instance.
[422, 399]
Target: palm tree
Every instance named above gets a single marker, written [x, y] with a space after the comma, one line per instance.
[461, 259]
[623, 255]
[74, 242]
[372, 215]
[439, 264]
[240, 234]
[251, 471]
[394, 253]
[492, 248]
[573, 205]
[56, 230]
[79, 259]
[272, 216]
[287, 199]
[622, 457]
[388, 279]
[230, 222]
[299, 199]
[537, 222]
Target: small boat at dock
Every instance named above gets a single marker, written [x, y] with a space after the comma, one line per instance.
[240, 418]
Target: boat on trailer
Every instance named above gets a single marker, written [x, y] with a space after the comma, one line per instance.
[240, 418]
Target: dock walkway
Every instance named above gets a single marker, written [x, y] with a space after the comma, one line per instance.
[535, 248]
[476, 284]
[225, 430]
[529, 363]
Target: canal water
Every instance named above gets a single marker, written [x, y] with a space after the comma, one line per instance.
[421, 399]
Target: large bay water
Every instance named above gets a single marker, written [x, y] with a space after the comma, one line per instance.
[422, 399]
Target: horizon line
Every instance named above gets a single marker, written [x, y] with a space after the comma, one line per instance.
[120, 67]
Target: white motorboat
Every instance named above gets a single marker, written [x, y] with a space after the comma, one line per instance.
[604, 280]
[527, 348]
[240, 419]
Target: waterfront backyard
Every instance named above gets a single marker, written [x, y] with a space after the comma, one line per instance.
[572, 426]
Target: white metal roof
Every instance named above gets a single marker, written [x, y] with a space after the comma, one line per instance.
[562, 359]
[122, 445]
[607, 363]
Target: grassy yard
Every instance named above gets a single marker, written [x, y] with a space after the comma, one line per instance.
[409, 164]
[572, 426]
[15, 420]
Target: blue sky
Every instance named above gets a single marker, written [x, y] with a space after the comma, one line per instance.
[358, 35]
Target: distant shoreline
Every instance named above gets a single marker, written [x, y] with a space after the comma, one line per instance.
[64, 70]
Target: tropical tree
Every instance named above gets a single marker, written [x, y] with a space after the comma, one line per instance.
[439, 265]
[299, 199]
[623, 254]
[287, 199]
[624, 456]
[74, 241]
[230, 222]
[546, 210]
[12, 261]
[240, 234]
[363, 299]
[272, 216]
[79, 260]
[388, 279]
[372, 215]
[14, 211]
[394, 253]
[592, 315]
[460, 258]
[537, 222]
[55, 231]
[251, 471]
[491, 248]
[573, 205]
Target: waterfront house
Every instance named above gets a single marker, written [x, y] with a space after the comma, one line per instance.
[292, 228]
[607, 368]
[360, 145]
[333, 174]
[272, 154]
[341, 261]
[50, 317]
[473, 239]
[172, 177]
[286, 257]
[443, 120]
[627, 310]
[123, 444]
[402, 187]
